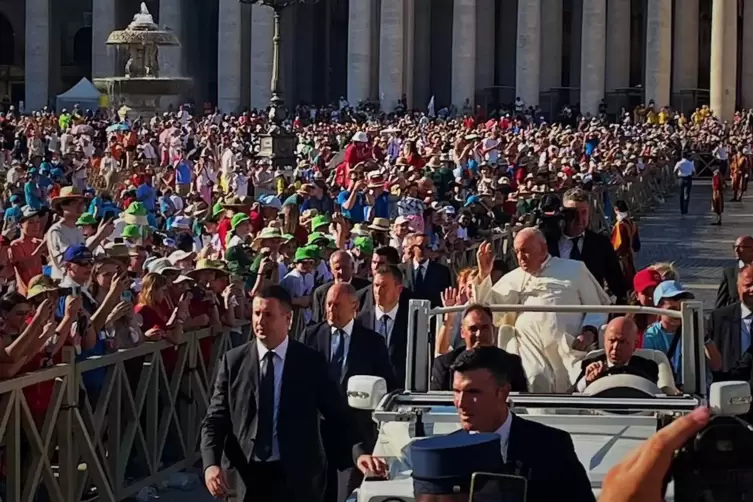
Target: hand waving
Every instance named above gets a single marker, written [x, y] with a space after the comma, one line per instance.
[450, 297]
[485, 258]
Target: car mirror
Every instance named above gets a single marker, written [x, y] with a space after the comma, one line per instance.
[729, 398]
[366, 392]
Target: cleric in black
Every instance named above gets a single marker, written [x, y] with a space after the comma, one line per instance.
[577, 242]
[263, 417]
[351, 349]
[477, 330]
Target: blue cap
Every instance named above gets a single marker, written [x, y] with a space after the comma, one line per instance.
[77, 253]
[473, 199]
[15, 199]
[445, 464]
[668, 289]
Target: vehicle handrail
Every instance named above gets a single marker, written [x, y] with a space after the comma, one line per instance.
[578, 309]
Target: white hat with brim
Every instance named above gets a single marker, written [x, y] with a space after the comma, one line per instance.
[360, 137]
[180, 255]
[380, 225]
[182, 278]
[162, 265]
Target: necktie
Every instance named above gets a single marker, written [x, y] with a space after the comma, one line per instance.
[265, 426]
[575, 252]
[418, 283]
[384, 327]
[338, 356]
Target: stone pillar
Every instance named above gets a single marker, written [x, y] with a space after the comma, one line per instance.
[507, 39]
[528, 52]
[262, 30]
[170, 18]
[658, 52]
[618, 45]
[463, 52]
[391, 54]
[103, 23]
[360, 25]
[551, 44]
[685, 56]
[37, 64]
[746, 71]
[485, 54]
[576, 30]
[593, 55]
[723, 58]
[409, 51]
[229, 56]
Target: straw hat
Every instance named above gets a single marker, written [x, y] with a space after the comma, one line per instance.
[67, 194]
[236, 202]
[40, 284]
[380, 225]
[205, 264]
[265, 234]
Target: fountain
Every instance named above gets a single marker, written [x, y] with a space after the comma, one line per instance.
[141, 88]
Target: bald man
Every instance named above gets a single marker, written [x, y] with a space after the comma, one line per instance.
[620, 342]
[549, 343]
[350, 349]
[727, 293]
[342, 266]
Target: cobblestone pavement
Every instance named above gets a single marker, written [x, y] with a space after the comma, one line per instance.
[699, 250]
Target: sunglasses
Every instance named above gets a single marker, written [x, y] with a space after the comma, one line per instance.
[84, 263]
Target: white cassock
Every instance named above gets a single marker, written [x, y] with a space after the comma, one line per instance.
[544, 339]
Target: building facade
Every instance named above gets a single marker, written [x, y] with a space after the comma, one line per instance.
[548, 52]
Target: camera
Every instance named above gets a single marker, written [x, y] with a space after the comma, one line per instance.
[552, 218]
[715, 465]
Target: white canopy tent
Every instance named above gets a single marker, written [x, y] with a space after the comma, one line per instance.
[84, 94]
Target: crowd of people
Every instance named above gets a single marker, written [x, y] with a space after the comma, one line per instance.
[121, 230]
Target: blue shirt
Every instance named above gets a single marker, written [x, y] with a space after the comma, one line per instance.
[13, 214]
[382, 206]
[32, 195]
[323, 205]
[355, 213]
[183, 173]
[657, 338]
[145, 194]
[93, 379]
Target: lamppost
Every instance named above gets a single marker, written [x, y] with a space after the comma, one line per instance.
[278, 145]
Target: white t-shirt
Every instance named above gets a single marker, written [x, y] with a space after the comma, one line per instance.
[241, 185]
[59, 238]
[492, 156]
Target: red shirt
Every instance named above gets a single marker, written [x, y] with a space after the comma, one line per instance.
[23, 249]
[157, 317]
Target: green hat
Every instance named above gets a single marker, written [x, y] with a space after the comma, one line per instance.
[306, 253]
[288, 237]
[314, 237]
[136, 231]
[217, 209]
[86, 219]
[136, 214]
[364, 244]
[320, 221]
[266, 233]
[238, 261]
[238, 219]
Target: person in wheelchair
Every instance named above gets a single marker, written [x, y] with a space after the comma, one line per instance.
[619, 357]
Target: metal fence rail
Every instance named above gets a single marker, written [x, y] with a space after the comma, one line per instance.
[136, 430]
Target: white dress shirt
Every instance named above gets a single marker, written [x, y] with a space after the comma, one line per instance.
[335, 340]
[684, 168]
[392, 314]
[420, 268]
[746, 319]
[504, 435]
[279, 363]
[566, 244]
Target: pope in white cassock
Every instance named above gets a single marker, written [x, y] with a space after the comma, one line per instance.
[549, 343]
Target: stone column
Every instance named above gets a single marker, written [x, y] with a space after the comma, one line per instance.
[576, 35]
[262, 30]
[485, 54]
[685, 56]
[658, 52]
[528, 52]
[463, 52]
[229, 56]
[37, 64]
[618, 45]
[723, 58]
[507, 13]
[391, 54]
[747, 61]
[103, 23]
[360, 25]
[171, 18]
[593, 55]
[409, 51]
[551, 44]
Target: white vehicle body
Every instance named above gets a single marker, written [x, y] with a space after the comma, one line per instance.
[603, 429]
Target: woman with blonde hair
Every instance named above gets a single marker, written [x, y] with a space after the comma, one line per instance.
[667, 270]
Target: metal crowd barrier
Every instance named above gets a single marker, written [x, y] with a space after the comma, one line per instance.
[142, 427]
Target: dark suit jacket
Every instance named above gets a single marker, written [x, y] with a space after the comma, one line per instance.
[320, 296]
[441, 374]
[636, 366]
[231, 421]
[398, 347]
[601, 260]
[727, 293]
[550, 475]
[367, 355]
[437, 278]
[725, 326]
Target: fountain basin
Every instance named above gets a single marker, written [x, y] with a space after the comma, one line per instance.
[147, 96]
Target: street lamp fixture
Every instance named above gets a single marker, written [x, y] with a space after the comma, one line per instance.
[277, 145]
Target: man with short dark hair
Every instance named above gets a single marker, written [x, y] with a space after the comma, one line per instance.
[271, 438]
[477, 330]
[545, 456]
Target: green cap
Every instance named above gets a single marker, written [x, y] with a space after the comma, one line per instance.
[238, 219]
[314, 237]
[320, 221]
[238, 261]
[217, 209]
[306, 253]
[288, 237]
[136, 232]
[364, 244]
[86, 219]
[136, 214]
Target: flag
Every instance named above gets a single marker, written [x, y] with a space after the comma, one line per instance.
[430, 108]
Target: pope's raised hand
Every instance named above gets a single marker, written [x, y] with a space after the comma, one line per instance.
[485, 258]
